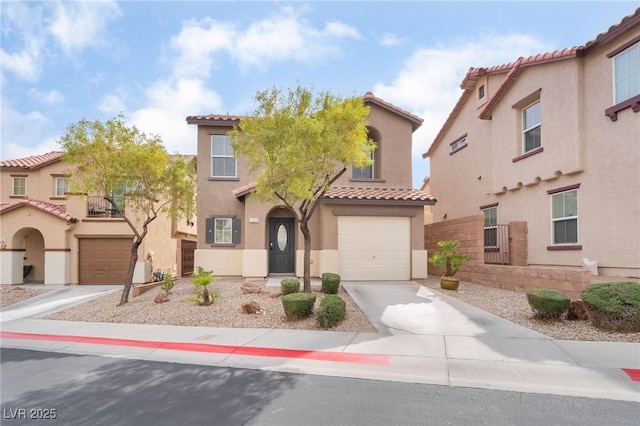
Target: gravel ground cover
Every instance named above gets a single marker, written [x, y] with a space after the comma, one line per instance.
[11, 294]
[226, 310]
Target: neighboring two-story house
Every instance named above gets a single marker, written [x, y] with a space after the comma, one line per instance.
[369, 226]
[551, 141]
[50, 236]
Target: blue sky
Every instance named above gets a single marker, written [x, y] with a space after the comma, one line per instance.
[160, 61]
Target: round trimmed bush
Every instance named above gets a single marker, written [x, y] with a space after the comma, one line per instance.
[298, 305]
[548, 303]
[290, 285]
[330, 283]
[331, 312]
[614, 306]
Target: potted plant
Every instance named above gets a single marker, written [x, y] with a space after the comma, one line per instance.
[449, 261]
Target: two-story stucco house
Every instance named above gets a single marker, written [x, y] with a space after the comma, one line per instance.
[551, 141]
[369, 226]
[50, 236]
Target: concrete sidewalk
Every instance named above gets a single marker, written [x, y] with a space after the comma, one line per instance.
[423, 337]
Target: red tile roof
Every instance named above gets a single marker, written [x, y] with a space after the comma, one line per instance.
[348, 194]
[57, 210]
[231, 120]
[244, 190]
[352, 194]
[512, 70]
[224, 119]
[33, 162]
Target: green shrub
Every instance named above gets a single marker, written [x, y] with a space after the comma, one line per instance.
[201, 280]
[167, 283]
[614, 306]
[298, 305]
[330, 283]
[331, 312]
[547, 303]
[289, 286]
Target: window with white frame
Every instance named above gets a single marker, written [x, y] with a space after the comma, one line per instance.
[626, 71]
[366, 172]
[62, 186]
[459, 144]
[222, 230]
[223, 161]
[490, 227]
[564, 217]
[19, 186]
[531, 127]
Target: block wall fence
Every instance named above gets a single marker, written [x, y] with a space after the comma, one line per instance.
[518, 275]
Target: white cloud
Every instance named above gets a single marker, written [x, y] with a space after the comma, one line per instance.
[23, 27]
[112, 104]
[429, 82]
[169, 104]
[52, 97]
[76, 25]
[281, 37]
[18, 127]
[390, 40]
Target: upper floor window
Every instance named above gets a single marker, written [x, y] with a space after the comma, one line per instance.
[626, 70]
[366, 172]
[62, 186]
[458, 144]
[564, 217]
[223, 161]
[531, 127]
[19, 186]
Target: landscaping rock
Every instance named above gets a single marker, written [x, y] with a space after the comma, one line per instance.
[250, 307]
[161, 298]
[251, 287]
[577, 311]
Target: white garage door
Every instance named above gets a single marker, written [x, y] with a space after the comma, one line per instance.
[374, 248]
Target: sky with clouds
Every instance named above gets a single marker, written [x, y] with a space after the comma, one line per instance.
[157, 62]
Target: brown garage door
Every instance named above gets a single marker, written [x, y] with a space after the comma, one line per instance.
[104, 260]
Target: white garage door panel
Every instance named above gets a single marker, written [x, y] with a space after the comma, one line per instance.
[374, 248]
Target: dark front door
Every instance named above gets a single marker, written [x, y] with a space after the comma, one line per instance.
[282, 248]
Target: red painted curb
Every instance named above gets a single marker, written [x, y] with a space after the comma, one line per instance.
[205, 347]
[633, 373]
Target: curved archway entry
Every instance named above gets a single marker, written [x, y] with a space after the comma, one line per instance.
[32, 241]
[282, 247]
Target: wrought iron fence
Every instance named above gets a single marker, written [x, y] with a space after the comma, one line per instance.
[100, 207]
[496, 244]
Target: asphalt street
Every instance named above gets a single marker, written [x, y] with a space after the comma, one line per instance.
[66, 389]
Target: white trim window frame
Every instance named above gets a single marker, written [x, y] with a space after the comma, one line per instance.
[564, 218]
[531, 127]
[490, 227]
[626, 74]
[19, 186]
[223, 230]
[61, 186]
[459, 144]
[223, 161]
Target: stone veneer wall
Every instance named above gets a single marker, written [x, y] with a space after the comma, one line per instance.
[517, 276]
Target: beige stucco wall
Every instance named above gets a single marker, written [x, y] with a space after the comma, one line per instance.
[580, 146]
[52, 245]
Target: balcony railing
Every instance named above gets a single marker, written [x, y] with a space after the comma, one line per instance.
[496, 244]
[100, 207]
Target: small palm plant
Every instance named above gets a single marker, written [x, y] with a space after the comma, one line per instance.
[449, 260]
[201, 279]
